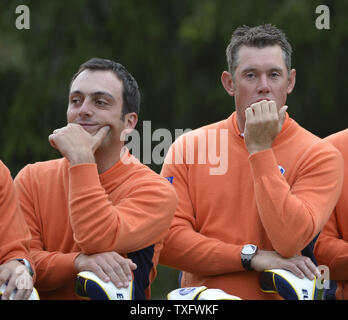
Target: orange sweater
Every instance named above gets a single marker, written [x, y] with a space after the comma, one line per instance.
[14, 232]
[253, 202]
[127, 209]
[331, 248]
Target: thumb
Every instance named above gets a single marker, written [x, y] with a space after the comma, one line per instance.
[99, 136]
[282, 115]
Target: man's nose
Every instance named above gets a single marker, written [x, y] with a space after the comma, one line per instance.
[263, 85]
[85, 109]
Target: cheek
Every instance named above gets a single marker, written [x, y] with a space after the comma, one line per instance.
[243, 95]
[70, 115]
[116, 128]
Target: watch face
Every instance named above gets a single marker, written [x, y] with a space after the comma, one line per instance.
[249, 249]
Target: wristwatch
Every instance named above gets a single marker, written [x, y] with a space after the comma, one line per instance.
[27, 264]
[247, 253]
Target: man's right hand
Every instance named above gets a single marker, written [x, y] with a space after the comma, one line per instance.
[300, 266]
[108, 266]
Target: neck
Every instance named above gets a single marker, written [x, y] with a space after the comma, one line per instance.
[240, 123]
[106, 157]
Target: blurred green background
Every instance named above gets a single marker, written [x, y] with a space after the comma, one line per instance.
[176, 51]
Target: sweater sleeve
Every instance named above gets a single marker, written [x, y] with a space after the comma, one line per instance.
[54, 269]
[293, 215]
[14, 232]
[185, 248]
[141, 218]
[331, 250]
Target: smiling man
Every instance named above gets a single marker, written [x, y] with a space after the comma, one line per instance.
[280, 187]
[89, 211]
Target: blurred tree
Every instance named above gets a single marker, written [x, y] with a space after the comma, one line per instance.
[175, 50]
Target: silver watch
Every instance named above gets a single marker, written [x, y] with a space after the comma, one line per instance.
[247, 253]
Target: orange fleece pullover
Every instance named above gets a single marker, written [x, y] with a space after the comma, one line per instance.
[278, 199]
[127, 209]
[14, 232]
[331, 248]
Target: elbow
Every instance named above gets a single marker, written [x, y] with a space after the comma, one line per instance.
[90, 246]
[287, 252]
[286, 248]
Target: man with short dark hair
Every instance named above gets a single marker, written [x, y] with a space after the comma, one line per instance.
[276, 191]
[94, 209]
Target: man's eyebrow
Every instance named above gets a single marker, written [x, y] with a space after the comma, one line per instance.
[94, 94]
[75, 92]
[246, 70]
[280, 70]
[103, 93]
[253, 69]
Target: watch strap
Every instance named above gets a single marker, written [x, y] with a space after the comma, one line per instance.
[27, 264]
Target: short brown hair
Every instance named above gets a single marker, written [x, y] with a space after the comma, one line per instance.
[259, 37]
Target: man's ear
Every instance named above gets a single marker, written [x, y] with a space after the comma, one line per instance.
[131, 120]
[227, 82]
[291, 81]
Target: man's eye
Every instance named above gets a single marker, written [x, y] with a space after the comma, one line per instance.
[75, 100]
[101, 103]
[275, 74]
[250, 75]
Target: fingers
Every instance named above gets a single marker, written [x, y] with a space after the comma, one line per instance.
[282, 115]
[23, 283]
[108, 266]
[23, 294]
[302, 267]
[312, 269]
[119, 271]
[17, 279]
[51, 141]
[100, 136]
[4, 275]
[53, 136]
[11, 286]
[98, 270]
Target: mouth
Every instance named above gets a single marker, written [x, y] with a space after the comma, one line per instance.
[89, 127]
[262, 99]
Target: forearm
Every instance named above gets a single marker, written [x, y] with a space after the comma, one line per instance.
[335, 257]
[294, 215]
[331, 250]
[13, 229]
[190, 251]
[141, 218]
[53, 269]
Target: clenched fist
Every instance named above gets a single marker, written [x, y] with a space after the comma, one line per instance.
[263, 123]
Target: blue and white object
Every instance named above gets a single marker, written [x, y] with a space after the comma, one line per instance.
[287, 285]
[90, 286]
[200, 293]
[34, 295]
